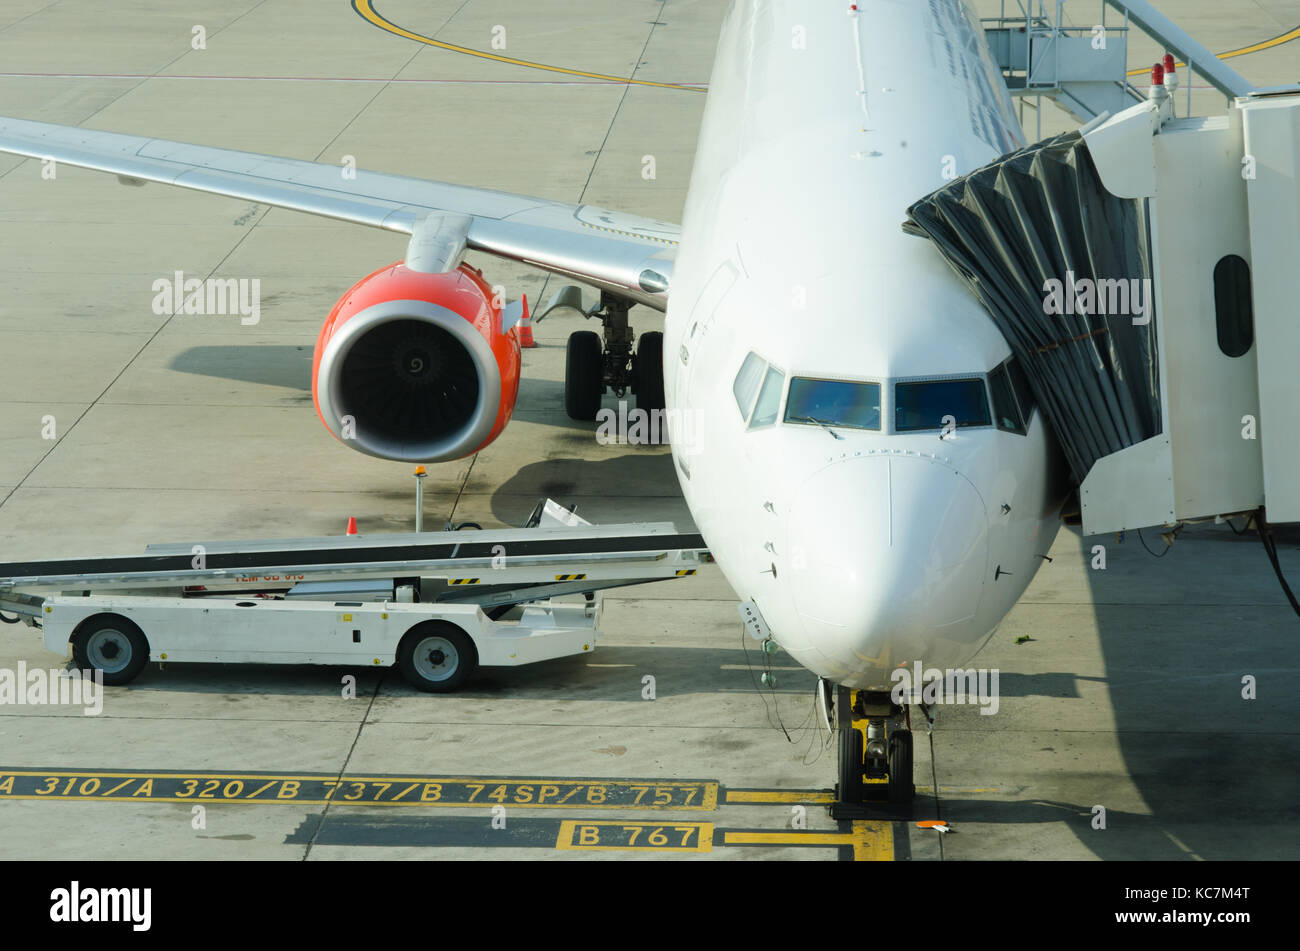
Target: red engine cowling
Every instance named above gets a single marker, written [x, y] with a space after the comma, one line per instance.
[415, 366]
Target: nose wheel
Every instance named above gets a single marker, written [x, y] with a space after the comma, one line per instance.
[875, 753]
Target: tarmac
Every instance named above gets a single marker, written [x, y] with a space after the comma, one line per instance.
[119, 426]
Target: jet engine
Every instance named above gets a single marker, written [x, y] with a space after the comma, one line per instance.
[416, 367]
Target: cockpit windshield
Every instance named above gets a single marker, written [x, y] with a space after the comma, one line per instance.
[930, 403]
[833, 403]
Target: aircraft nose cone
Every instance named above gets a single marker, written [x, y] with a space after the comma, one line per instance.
[887, 555]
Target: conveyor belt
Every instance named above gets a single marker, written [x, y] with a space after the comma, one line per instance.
[364, 556]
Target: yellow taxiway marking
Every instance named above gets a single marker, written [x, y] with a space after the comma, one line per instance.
[317, 789]
[1278, 40]
[778, 797]
[741, 797]
[366, 8]
[872, 841]
[615, 836]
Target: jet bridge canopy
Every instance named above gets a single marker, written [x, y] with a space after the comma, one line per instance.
[1184, 416]
[1042, 215]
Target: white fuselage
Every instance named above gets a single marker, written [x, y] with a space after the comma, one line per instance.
[864, 549]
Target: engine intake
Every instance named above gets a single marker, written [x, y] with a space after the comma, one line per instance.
[424, 378]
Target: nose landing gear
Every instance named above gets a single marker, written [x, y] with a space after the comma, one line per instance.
[875, 753]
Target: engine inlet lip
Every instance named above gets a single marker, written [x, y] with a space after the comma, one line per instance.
[452, 445]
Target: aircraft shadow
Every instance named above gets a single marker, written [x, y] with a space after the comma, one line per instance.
[1217, 771]
[266, 364]
[644, 476]
[611, 673]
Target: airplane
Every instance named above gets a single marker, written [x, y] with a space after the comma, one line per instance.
[868, 466]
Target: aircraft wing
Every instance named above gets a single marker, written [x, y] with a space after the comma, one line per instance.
[627, 255]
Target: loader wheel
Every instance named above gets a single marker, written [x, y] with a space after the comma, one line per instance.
[112, 645]
[436, 657]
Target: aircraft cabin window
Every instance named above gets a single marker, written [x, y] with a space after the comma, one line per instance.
[923, 405]
[1005, 412]
[833, 403]
[751, 371]
[769, 399]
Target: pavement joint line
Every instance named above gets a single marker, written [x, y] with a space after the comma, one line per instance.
[356, 738]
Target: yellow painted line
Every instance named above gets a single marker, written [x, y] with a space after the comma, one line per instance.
[765, 796]
[366, 8]
[871, 841]
[1253, 48]
[785, 838]
[613, 836]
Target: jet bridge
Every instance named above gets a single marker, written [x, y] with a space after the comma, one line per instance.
[1142, 270]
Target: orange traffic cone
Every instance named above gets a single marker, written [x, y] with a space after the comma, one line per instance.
[352, 525]
[526, 328]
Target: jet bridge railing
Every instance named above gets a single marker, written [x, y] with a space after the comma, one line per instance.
[1080, 68]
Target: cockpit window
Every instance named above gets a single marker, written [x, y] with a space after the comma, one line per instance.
[769, 399]
[924, 404]
[1020, 383]
[833, 403]
[751, 371]
[1005, 412]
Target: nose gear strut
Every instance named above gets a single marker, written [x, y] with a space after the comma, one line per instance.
[875, 753]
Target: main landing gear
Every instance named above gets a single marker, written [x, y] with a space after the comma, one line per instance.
[875, 753]
[593, 364]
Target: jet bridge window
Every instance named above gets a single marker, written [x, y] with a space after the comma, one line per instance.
[1232, 308]
[746, 385]
[925, 404]
[833, 403]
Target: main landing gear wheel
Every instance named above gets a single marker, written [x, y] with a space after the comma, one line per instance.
[648, 380]
[112, 645]
[901, 787]
[436, 657]
[584, 371]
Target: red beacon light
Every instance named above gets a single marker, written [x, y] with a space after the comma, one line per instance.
[1157, 90]
[1171, 75]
